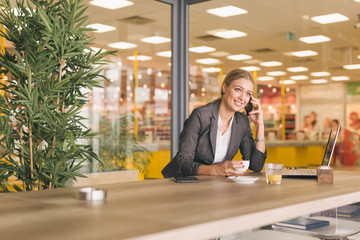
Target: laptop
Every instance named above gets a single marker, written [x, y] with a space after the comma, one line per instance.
[312, 173]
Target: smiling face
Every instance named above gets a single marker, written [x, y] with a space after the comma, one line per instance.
[237, 94]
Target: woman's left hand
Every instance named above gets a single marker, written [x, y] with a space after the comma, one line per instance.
[257, 114]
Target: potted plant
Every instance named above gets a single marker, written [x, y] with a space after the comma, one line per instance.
[50, 68]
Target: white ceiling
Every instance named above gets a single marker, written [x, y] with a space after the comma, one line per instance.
[266, 23]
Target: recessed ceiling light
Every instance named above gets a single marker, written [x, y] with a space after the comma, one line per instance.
[122, 45]
[224, 33]
[265, 78]
[306, 53]
[352, 66]
[276, 73]
[330, 18]
[340, 78]
[320, 74]
[271, 64]
[202, 49]
[239, 57]
[250, 68]
[211, 69]
[227, 11]
[111, 4]
[164, 54]
[318, 81]
[315, 39]
[207, 61]
[219, 54]
[297, 69]
[140, 58]
[156, 40]
[299, 77]
[286, 82]
[101, 28]
[357, 0]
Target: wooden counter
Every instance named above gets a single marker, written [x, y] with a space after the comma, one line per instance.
[162, 209]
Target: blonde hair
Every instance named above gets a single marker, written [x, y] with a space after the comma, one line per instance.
[237, 74]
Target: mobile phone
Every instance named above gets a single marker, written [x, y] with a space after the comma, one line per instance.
[249, 107]
[188, 179]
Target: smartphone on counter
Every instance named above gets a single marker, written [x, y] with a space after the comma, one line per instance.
[188, 179]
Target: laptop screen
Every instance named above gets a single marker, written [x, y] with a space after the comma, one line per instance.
[330, 146]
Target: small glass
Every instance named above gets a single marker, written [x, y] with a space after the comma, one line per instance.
[273, 173]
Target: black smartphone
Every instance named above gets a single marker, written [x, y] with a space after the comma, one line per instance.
[249, 107]
[188, 179]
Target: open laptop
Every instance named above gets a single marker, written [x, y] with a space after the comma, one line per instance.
[312, 173]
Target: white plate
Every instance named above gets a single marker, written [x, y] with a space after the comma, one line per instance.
[243, 179]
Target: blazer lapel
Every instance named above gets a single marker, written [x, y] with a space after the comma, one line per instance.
[236, 133]
[213, 127]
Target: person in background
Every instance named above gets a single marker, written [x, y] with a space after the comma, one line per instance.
[213, 133]
[309, 131]
[351, 146]
[327, 125]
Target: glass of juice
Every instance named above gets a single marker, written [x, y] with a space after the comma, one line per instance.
[273, 173]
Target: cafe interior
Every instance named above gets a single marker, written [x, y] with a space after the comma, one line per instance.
[305, 59]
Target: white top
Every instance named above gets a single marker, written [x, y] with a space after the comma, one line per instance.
[222, 142]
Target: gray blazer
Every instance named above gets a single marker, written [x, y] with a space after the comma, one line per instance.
[198, 142]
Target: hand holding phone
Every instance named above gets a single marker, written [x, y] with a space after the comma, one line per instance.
[249, 107]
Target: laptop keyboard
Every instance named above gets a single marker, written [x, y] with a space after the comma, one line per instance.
[299, 171]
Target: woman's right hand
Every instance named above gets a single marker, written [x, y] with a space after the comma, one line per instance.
[227, 168]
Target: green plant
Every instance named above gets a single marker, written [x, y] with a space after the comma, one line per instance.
[120, 148]
[50, 69]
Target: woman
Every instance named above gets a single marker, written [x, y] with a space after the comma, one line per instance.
[213, 133]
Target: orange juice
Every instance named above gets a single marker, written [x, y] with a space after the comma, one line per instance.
[274, 178]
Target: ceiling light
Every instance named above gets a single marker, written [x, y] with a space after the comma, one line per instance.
[202, 49]
[305, 53]
[314, 39]
[276, 73]
[164, 54]
[156, 40]
[207, 61]
[330, 18]
[318, 81]
[297, 69]
[352, 66]
[111, 4]
[122, 45]
[101, 28]
[287, 82]
[224, 33]
[239, 57]
[227, 11]
[357, 0]
[140, 58]
[320, 74]
[250, 68]
[271, 64]
[265, 78]
[211, 69]
[340, 78]
[219, 54]
[299, 77]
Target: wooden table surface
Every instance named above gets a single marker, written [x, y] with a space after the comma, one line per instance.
[163, 209]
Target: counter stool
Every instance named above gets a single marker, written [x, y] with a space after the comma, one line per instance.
[337, 229]
[274, 235]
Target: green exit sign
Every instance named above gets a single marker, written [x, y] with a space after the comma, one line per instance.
[290, 36]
